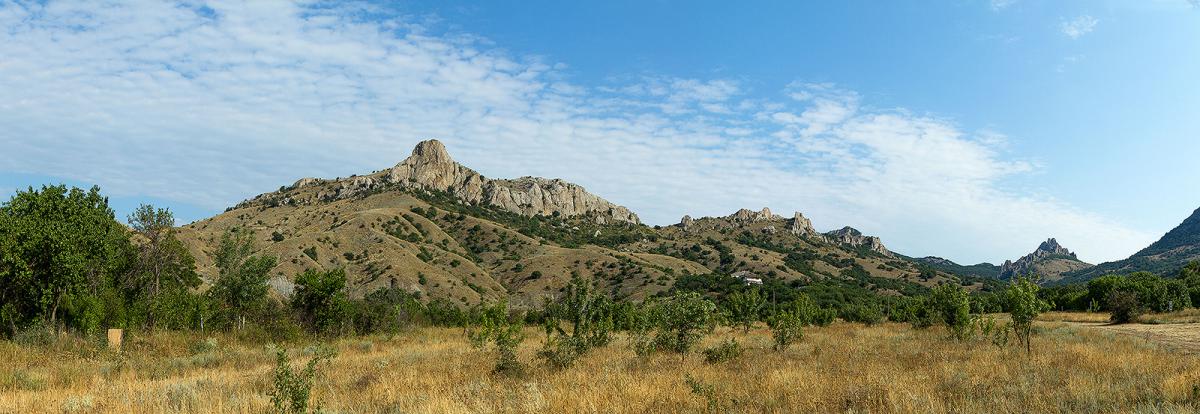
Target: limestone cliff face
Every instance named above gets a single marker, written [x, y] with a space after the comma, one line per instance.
[1049, 262]
[802, 226]
[852, 237]
[430, 167]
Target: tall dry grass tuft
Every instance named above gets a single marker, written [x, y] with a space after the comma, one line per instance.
[839, 368]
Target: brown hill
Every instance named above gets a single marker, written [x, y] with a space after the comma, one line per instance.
[433, 226]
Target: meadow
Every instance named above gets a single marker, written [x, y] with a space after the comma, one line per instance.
[844, 367]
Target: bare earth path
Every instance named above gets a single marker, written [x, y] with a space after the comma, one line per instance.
[1183, 337]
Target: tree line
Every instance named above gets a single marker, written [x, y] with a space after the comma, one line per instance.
[67, 263]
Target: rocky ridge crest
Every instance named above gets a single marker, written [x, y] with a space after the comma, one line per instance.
[430, 167]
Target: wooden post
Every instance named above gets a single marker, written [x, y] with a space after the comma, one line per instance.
[114, 339]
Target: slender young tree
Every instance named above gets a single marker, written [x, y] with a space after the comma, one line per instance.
[1024, 307]
[746, 307]
[164, 263]
[242, 277]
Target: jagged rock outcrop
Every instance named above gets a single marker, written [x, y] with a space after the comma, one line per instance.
[430, 167]
[801, 226]
[854, 238]
[687, 222]
[749, 216]
[1049, 262]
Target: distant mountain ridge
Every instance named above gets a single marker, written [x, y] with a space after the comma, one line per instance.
[1048, 262]
[1170, 253]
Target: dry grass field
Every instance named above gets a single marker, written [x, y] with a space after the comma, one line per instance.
[841, 368]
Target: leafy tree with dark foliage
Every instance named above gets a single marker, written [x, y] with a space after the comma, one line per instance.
[320, 300]
[164, 269]
[60, 249]
[241, 285]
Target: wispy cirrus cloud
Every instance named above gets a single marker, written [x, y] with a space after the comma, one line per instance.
[999, 5]
[212, 104]
[1079, 26]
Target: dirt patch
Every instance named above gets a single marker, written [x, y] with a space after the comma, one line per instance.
[1184, 337]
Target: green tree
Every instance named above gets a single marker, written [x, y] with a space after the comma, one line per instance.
[1124, 305]
[786, 328]
[241, 285]
[1099, 287]
[164, 267]
[592, 319]
[746, 307]
[493, 326]
[1024, 306]
[60, 249]
[683, 320]
[321, 300]
[1190, 275]
[951, 305]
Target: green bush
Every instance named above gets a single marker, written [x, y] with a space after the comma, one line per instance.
[1124, 306]
[865, 314]
[809, 313]
[492, 326]
[291, 389]
[683, 320]
[723, 352]
[591, 317]
[786, 328]
[745, 308]
[951, 305]
[320, 300]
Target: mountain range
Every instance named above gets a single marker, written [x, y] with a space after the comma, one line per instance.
[1052, 263]
[431, 225]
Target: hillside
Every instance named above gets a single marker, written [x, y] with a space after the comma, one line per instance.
[1048, 262]
[433, 226]
[986, 270]
[1174, 250]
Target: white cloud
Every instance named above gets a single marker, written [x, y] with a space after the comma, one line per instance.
[213, 106]
[998, 5]
[1079, 26]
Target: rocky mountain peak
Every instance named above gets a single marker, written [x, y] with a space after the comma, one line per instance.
[1051, 246]
[801, 226]
[747, 215]
[852, 237]
[1049, 260]
[431, 151]
[430, 167]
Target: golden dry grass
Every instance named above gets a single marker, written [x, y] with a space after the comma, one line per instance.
[841, 368]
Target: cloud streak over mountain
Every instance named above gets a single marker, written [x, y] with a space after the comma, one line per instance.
[208, 105]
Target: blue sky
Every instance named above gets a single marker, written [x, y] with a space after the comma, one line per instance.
[965, 129]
